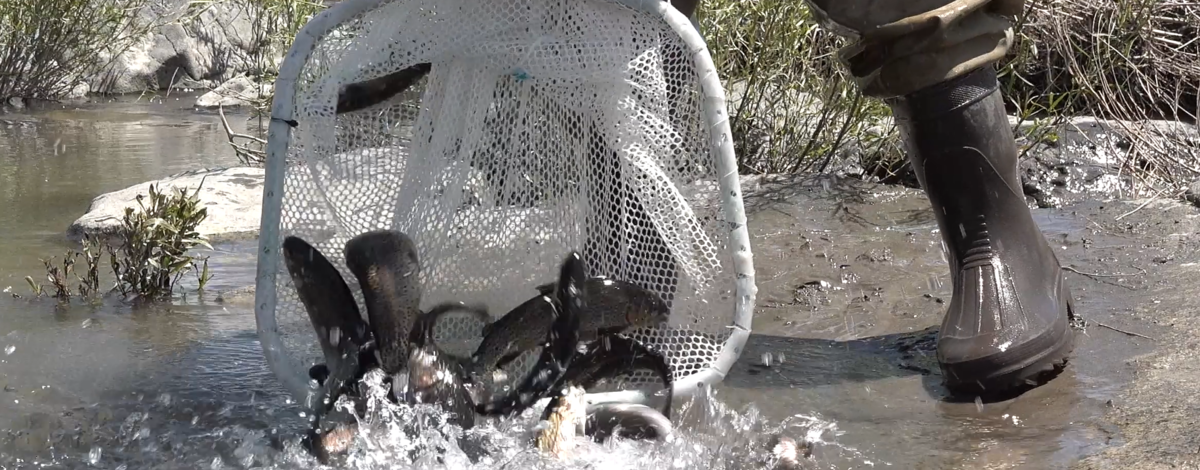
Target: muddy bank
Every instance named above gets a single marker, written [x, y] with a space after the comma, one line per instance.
[1082, 158]
[853, 287]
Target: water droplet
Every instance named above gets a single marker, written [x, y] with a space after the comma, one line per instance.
[94, 456]
[766, 359]
[9, 350]
[87, 323]
[979, 404]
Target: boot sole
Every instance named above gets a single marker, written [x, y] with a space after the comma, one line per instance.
[1015, 368]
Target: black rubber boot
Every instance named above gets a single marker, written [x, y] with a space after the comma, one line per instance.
[1009, 317]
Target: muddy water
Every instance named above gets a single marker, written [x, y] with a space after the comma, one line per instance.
[852, 284]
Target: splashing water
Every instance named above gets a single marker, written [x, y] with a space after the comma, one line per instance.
[708, 435]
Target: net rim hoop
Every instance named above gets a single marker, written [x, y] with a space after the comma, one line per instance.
[279, 134]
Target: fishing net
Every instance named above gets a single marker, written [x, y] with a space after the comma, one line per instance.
[542, 127]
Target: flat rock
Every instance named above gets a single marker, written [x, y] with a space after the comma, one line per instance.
[240, 91]
[233, 197]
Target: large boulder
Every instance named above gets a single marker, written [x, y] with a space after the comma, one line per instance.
[186, 50]
[233, 197]
[239, 91]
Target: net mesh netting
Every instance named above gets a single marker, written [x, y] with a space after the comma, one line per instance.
[544, 126]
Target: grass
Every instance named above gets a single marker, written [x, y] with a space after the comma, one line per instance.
[151, 254]
[796, 110]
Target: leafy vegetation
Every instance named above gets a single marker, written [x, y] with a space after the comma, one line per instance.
[794, 109]
[50, 47]
[151, 253]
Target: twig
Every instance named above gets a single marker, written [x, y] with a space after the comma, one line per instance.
[1144, 204]
[229, 131]
[1083, 273]
[1118, 330]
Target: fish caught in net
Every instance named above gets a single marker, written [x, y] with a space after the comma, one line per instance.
[499, 135]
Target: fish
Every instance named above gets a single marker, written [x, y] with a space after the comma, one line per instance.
[387, 267]
[344, 337]
[613, 355]
[434, 376]
[614, 306]
[558, 346]
[627, 420]
[367, 93]
[566, 417]
[340, 329]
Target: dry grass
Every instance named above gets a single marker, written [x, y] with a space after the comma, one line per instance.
[1129, 60]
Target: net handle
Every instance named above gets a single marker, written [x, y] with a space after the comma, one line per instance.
[713, 107]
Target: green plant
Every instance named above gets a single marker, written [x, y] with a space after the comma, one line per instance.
[155, 241]
[792, 106]
[152, 253]
[88, 285]
[48, 47]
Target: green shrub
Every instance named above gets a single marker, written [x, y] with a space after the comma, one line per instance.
[151, 254]
[155, 241]
[792, 105]
[48, 47]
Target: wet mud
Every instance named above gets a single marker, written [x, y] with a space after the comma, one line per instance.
[852, 289]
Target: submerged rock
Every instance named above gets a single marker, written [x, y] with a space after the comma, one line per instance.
[1192, 194]
[233, 197]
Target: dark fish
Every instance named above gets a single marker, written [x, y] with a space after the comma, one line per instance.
[367, 93]
[341, 332]
[628, 420]
[613, 355]
[608, 357]
[613, 307]
[558, 346]
[433, 377]
[334, 315]
[386, 265]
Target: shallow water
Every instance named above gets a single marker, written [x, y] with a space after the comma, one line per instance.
[851, 281]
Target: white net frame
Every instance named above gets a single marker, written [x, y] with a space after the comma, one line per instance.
[707, 329]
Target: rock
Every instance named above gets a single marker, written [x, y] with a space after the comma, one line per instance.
[1083, 157]
[233, 197]
[240, 91]
[1192, 194]
[242, 296]
[192, 51]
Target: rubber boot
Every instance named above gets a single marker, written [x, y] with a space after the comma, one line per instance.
[1008, 320]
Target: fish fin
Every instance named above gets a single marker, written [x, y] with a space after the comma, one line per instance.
[547, 288]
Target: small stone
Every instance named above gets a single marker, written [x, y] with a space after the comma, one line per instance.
[1192, 194]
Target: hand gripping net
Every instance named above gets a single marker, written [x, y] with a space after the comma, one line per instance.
[544, 126]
